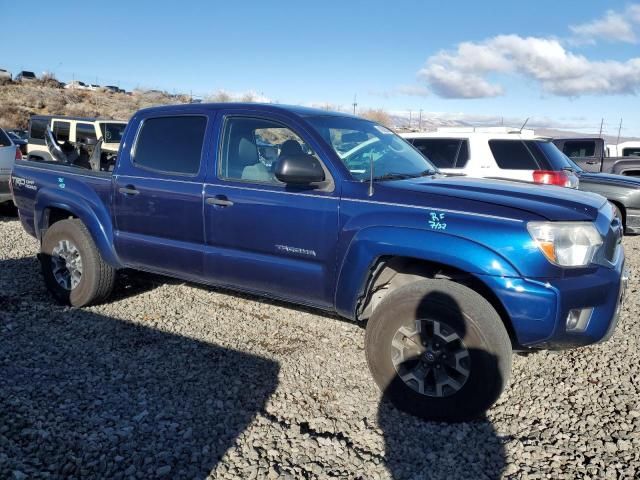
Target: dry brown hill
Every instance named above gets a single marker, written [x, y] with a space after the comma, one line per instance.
[18, 101]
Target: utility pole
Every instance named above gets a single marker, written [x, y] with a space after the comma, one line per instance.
[618, 140]
[355, 103]
[601, 125]
[409, 119]
[420, 121]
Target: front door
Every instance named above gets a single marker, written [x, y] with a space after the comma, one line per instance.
[262, 235]
[158, 197]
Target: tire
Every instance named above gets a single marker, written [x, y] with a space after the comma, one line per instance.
[96, 279]
[450, 308]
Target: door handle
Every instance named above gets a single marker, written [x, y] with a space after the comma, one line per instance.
[591, 162]
[128, 190]
[219, 201]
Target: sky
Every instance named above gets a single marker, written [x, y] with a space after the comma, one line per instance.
[564, 64]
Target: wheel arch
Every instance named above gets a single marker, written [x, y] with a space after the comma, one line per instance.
[51, 207]
[376, 264]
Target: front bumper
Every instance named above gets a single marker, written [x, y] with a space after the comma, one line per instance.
[538, 309]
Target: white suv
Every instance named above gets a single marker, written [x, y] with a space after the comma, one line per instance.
[497, 152]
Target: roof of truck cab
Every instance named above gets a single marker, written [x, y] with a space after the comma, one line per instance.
[79, 119]
[265, 107]
[477, 134]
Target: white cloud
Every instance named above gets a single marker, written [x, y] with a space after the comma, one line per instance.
[465, 72]
[612, 27]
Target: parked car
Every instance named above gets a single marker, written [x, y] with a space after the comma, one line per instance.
[624, 149]
[25, 76]
[451, 273]
[493, 152]
[590, 154]
[77, 137]
[18, 141]
[77, 85]
[5, 76]
[111, 88]
[8, 154]
[523, 156]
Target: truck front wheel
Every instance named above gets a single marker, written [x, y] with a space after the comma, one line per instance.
[73, 269]
[438, 350]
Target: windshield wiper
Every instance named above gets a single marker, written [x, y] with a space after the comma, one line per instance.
[455, 174]
[393, 176]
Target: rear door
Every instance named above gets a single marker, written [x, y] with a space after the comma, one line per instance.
[514, 160]
[262, 235]
[158, 195]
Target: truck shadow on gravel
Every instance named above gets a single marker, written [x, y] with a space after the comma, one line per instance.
[421, 449]
[85, 395]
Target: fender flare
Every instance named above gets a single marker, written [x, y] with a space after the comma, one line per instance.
[98, 223]
[372, 243]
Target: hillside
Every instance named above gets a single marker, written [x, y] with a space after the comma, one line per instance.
[18, 101]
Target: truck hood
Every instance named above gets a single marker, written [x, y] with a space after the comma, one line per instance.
[610, 179]
[500, 197]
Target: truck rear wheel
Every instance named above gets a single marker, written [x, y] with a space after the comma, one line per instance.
[73, 269]
[438, 350]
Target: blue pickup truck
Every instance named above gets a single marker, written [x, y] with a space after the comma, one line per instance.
[451, 274]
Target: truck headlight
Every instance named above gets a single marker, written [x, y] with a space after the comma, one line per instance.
[569, 244]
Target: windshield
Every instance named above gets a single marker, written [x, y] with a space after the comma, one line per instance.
[112, 132]
[359, 142]
[558, 159]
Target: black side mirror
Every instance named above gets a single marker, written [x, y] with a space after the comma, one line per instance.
[299, 170]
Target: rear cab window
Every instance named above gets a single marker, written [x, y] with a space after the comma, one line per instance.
[170, 145]
[444, 152]
[631, 152]
[579, 148]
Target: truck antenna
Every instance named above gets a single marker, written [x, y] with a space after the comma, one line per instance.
[371, 175]
[524, 124]
[601, 125]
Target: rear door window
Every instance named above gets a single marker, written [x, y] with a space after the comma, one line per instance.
[513, 155]
[444, 152]
[171, 144]
[85, 131]
[579, 149]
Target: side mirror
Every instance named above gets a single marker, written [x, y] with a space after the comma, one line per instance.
[299, 170]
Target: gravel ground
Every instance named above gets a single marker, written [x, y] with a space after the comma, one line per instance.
[177, 381]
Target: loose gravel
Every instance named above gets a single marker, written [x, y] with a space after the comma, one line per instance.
[173, 380]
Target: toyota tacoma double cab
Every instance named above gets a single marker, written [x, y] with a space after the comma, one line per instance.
[451, 274]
